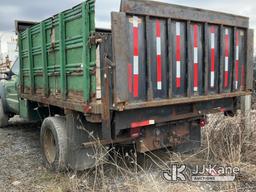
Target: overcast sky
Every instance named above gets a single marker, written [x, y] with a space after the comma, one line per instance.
[37, 10]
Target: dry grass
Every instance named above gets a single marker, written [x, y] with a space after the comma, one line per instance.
[226, 141]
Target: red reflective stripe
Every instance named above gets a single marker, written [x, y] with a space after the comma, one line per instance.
[227, 55]
[237, 69]
[130, 77]
[178, 48]
[213, 52]
[142, 123]
[159, 61]
[136, 41]
[178, 85]
[237, 61]
[226, 79]
[195, 35]
[212, 29]
[212, 46]
[136, 53]
[195, 75]
[213, 60]
[178, 79]
[159, 68]
[135, 85]
[227, 45]
[237, 39]
[158, 28]
[196, 56]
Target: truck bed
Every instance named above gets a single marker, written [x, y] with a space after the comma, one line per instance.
[157, 54]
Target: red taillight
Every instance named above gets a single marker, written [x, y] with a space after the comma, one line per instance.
[202, 123]
[135, 132]
[135, 127]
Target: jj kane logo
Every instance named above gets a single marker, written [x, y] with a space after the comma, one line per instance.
[201, 173]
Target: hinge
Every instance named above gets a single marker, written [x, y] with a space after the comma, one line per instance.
[95, 38]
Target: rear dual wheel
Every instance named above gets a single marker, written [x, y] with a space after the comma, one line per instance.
[53, 139]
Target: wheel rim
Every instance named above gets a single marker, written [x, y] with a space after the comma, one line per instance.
[49, 146]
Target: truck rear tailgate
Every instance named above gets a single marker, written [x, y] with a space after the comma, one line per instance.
[166, 54]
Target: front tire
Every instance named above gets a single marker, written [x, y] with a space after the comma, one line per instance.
[53, 139]
[3, 117]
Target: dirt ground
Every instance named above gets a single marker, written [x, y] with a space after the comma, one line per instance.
[20, 159]
[21, 168]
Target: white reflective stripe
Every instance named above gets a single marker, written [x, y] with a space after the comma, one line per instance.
[236, 84]
[178, 69]
[196, 89]
[212, 40]
[226, 31]
[151, 122]
[158, 46]
[159, 85]
[135, 65]
[226, 63]
[195, 55]
[237, 53]
[135, 21]
[177, 28]
[98, 94]
[212, 78]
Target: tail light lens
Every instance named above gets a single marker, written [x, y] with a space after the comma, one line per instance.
[202, 123]
[135, 132]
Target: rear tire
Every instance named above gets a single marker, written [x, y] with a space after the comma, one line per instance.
[53, 139]
[3, 117]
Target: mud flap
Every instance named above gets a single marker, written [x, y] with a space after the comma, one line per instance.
[80, 131]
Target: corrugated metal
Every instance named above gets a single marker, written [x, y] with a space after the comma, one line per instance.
[173, 57]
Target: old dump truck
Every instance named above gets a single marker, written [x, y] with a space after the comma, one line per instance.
[148, 81]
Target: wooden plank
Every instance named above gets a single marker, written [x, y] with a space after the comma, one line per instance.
[206, 59]
[189, 60]
[193, 99]
[166, 10]
[149, 62]
[170, 55]
[222, 59]
[249, 59]
[120, 52]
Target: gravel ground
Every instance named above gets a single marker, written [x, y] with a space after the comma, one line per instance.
[20, 159]
[21, 169]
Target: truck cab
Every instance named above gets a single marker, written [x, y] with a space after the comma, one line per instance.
[9, 102]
